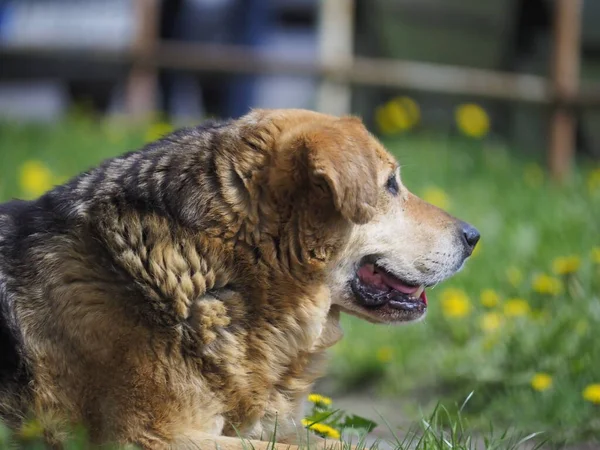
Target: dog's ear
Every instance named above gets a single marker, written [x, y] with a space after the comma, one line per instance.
[342, 159]
[336, 159]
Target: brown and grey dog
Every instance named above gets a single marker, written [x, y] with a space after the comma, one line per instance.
[187, 292]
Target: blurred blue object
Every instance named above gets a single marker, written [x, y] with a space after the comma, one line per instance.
[276, 26]
[225, 22]
[254, 27]
[67, 23]
[259, 25]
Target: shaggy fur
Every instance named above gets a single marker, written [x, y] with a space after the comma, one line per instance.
[187, 292]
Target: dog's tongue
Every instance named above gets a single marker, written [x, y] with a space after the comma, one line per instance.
[398, 285]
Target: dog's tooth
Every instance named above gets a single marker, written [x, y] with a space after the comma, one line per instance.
[419, 291]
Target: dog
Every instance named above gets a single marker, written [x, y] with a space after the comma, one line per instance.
[185, 294]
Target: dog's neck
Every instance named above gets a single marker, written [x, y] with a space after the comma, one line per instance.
[331, 332]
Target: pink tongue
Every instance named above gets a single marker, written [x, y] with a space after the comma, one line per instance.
[396, 284]
[368, 275]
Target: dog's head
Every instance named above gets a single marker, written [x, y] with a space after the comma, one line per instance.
[392, 244]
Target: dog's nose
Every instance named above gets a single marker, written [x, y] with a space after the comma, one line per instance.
[470, 235]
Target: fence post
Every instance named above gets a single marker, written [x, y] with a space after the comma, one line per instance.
[142, 84]
[335, 41]
[565, 82]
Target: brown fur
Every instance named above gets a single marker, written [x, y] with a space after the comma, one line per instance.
[181, 295]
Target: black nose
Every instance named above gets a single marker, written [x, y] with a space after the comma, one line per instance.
[471, 236]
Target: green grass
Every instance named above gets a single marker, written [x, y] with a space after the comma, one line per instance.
[525, 222]
[443, 429]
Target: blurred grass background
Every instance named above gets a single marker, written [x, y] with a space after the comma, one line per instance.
[517, 326]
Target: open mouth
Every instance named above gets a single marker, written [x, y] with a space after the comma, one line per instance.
[376, 288]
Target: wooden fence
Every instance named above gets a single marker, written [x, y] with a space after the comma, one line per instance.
[338, 69]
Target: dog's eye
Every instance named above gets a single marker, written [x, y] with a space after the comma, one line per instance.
[392, 184]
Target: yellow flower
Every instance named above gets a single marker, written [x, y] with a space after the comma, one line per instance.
[545, 284]
[593, 181]
[412, 112]
[158, 130]
[455, 303]
[436, 197]
[383, 121]
[489, 298]
[516, 307]
[515, 276]
[472, 120]
[541, 381]
[592, 393]
[490, 322]
[596, 255]
[566, 265]
[397, 115]
[533, 175]
[322, 429]
[385, 354]
[35, 178]
[319, 399]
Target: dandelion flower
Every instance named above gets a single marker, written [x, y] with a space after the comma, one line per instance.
[545, 284]
[455, 303]
[398, 116]
[490, 322]
[383, 121]
[35, 178]
[514, 276]
[489, 298]
[411, 110]
[592, 393]
[436, 197]
[541, 382]
[472, 120]
[516, 307]
[321, 429]
[385, 354]
[319, 399]
[566, 265]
